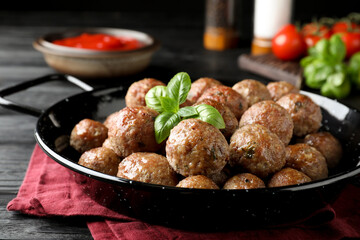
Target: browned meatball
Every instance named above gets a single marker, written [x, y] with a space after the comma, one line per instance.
[305, 114]
[109, 120]
[221, 177]
[256, 149]
[229, 97]
[195, 147]
[279, 89]
[270, 115]
[328, 145]
[253, 91]
[306, 159]
[199, 86]
[135, 95]
[231, 123]
[88, 134]
[133, 131]
[147, 167]
[100, 159]
[288, 176]
[244, 181]
[198, 181]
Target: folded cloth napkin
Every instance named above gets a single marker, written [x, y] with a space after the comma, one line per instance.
[50, 189]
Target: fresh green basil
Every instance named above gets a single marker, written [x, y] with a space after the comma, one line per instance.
[152, 98]
[210, 115]
[169, 104]
[167, 100]
[354, 69]
[325, 69]
[188, 112]
[163, 125]
[337, 48]
[179, 87]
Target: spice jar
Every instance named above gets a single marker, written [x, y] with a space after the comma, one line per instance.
[269, 17]
[220, 32]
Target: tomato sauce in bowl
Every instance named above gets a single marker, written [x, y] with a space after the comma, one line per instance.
[100, 41]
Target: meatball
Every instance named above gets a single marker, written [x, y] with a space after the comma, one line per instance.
[231, 123]
[88, 134]
[288, 176]
[133, 131]
[199, 86]
[198, 181]
[328, 145]
[100, 159]
[306, 159]
[147, 167]
[244, 181]
[270, 115]
[280, 89]
[305, 114]
[221, 177]
[109, 120]
[195, 147]
[135, 95]
[257, 150]
[253, 91]
[229, 97]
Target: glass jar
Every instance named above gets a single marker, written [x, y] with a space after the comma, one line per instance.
[220, 33]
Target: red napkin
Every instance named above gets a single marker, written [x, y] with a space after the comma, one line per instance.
[50, 189]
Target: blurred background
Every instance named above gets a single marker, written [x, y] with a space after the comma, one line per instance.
[303, 11]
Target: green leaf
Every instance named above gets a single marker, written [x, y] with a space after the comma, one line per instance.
[307, 60]
[316, 74]
[322, 49]
[179, 87]
[163, 125]
[337, 85]
[210, 115]
[152, 98]
[354, 69]
[188, 112]
[169, 104]
[337, 48]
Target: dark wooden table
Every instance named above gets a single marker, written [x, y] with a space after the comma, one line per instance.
[181, 50]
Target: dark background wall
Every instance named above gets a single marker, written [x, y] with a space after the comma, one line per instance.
[303, 11]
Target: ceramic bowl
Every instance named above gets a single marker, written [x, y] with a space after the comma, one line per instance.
[85, 63]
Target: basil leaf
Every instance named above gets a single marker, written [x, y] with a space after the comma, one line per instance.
[163, 125]
[169, 104]
[210, 115]
[188, 112]
[307, 60]
[322, 49]
[337, 85]
[337, 48]
[152, 98]
[179, 87]
[354, 69]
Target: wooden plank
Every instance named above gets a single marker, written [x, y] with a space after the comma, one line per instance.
[269, 66]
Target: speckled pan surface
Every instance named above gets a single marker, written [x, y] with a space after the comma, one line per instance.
[198, 208]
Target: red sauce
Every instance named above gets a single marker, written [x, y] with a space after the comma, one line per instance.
[100, 41]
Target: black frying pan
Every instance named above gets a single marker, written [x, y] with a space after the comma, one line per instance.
[194, 208]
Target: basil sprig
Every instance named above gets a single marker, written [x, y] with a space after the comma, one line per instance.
[167, 101]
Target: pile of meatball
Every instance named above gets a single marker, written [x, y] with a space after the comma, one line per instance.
[271, 139]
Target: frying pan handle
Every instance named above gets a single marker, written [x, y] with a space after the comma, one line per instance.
[31, 83]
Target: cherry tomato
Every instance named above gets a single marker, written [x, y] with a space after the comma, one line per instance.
[288, 43]
[313, 32]
[343, 26]
[352, 42]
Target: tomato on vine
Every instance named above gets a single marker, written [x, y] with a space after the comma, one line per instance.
[288, 43]
[313, 32]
